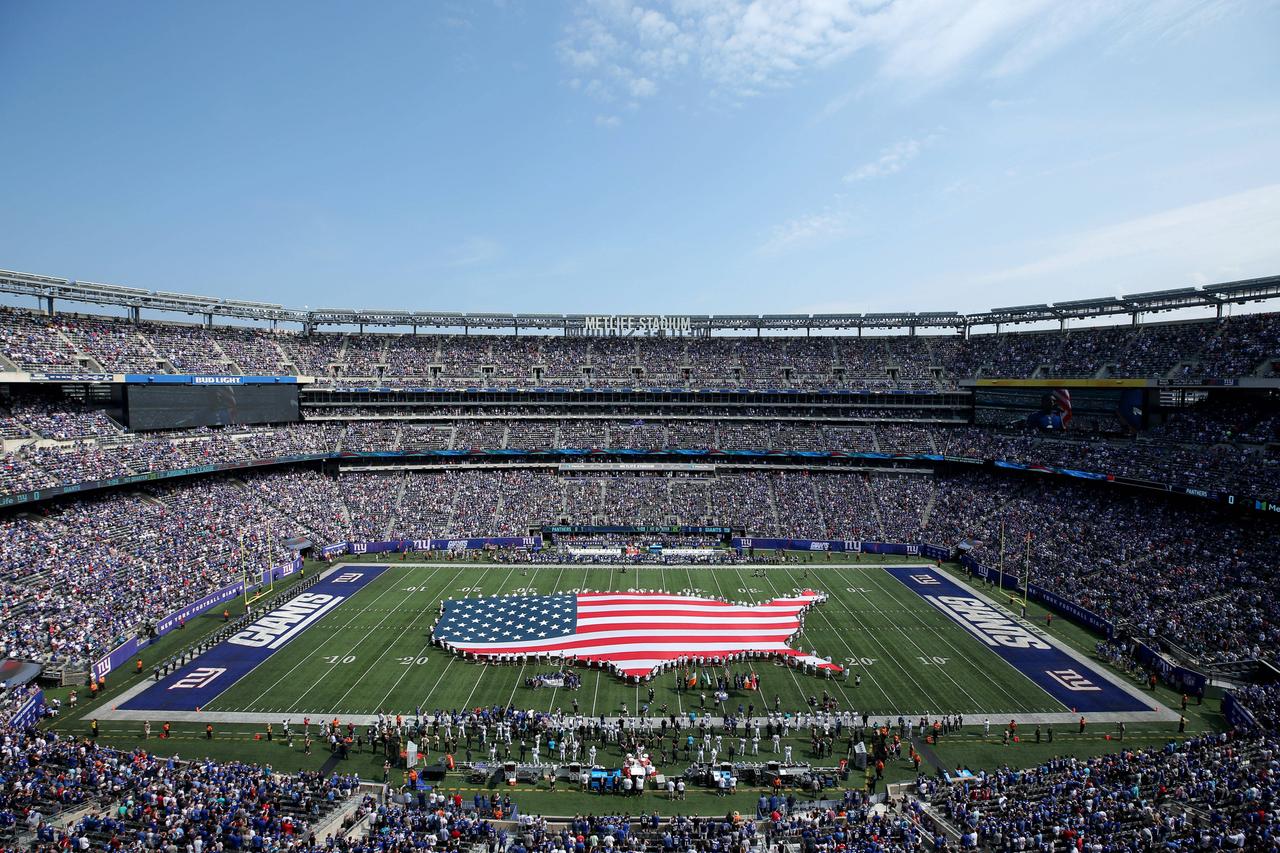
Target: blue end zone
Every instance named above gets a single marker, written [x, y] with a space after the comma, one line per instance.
[199, 682]
[1062, 676]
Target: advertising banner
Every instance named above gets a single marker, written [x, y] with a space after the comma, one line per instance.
[400, 546]
[1238, 716]
[840, 546]
[1178, 677]
[117, 657]
[1068, 608]
[30, 712]
[195, 608]
[196, 379]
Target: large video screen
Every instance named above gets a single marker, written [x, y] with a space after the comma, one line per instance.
[1107, 410]
[173, 406]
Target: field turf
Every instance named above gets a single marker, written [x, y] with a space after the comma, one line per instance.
[374, 653]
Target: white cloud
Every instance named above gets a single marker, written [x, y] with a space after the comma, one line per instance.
[740, 48]
[475, 251]
[643, 87]
[891, 160]
[608, 121]
[1210, 240]
[805, 232]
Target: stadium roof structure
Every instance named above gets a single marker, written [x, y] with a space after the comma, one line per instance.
[50, 289]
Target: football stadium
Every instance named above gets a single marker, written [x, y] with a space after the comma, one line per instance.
[575, 576]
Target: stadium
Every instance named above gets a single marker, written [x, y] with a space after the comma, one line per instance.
[584, 427]
[785, 555]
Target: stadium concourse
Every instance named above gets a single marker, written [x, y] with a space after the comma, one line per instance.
[1130, 470]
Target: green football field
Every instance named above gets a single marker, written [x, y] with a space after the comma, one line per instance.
[374, 652]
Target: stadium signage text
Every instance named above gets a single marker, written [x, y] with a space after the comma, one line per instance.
[625, 324]
[982, 620]
[195, 684]
[279, 626]
[1065, 677]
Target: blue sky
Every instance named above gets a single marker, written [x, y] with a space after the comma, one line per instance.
[695, 156]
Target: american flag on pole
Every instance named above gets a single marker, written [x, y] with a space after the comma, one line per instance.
[633, 633]
[1062, 399]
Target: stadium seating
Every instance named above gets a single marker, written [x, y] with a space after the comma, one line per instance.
[1156, 566]
[99, 567]
[1213, 792]
[90, 447]
[1242, 346]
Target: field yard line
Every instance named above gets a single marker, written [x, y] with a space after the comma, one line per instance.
[439, 678]
[338, 704]
[354, 616]
[512, 698]
[485, 667]
[816, 608]
[552, 704]
[662, 579]
[408, 668]
[820, 610]
[595, 695]
[893, 583]
[694, 591]
[791, 669]
[977, 706]
[901, 672]
[366, 635]
[799, 689]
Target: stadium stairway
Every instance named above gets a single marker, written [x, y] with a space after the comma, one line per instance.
[81, 356]
[342, 821]
[928, 509]
[393, 516]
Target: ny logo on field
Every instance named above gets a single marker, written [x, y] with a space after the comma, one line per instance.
[926, 580]
[349, 577]
[197, 678]
[1072, 680]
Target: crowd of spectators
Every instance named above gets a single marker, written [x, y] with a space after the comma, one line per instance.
[1238, 346]
[138, 800]
[35, 466]
[61, 419]
[87, 571]
[1169, 569]
[83, 575]
[210, 805]
[1193, 450]
[1220, 421]
[1209, 793]
[1240, 468]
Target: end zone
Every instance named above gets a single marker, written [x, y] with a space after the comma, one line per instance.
[1069, 677]
[200, 682]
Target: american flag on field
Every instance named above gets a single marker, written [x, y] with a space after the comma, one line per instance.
[634, 633]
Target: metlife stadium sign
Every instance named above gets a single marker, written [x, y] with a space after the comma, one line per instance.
[643, 324]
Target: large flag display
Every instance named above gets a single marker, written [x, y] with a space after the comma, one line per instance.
[633, 633]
